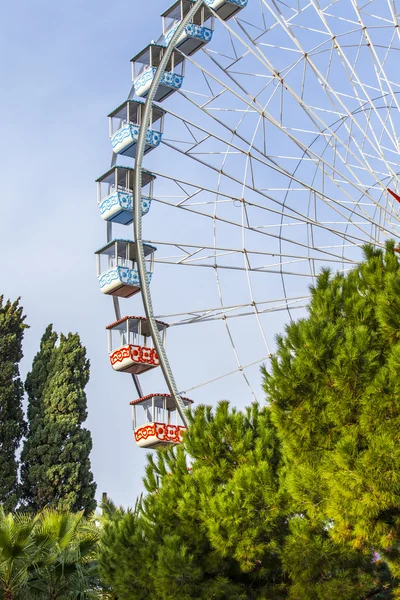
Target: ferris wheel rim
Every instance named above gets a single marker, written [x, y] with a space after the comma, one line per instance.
[137, 222]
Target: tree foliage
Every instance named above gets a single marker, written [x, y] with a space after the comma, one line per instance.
[334, 389]
[71, 571]
[226, 527]
[56, 465]
[35, 384]
[12, 425]
[48, 556]
[211, 531]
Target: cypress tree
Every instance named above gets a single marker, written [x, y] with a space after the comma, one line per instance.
[57, 464]
[34, 385]
[12, 424]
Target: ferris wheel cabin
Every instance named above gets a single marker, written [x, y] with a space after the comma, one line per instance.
[125, 122]
[131, 347]
[116, 268]
[144, 67]
[115, 194]
[196, 34]
[156, 422]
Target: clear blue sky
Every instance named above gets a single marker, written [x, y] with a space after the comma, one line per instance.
[63, 66]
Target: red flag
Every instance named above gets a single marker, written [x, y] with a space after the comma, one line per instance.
[395, 196]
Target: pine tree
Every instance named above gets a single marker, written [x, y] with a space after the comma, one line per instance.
[34, 385]
[211, 531]
[334, 390]
[12, 425]
[226, 528]
[57, 464]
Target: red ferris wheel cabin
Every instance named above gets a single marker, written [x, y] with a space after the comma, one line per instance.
[131, 347]
[156, 422]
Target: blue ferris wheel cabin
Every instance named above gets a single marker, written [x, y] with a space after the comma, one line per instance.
[125, 122]
[195, 35]
[117, 270]
[115, 194]
[144, 67]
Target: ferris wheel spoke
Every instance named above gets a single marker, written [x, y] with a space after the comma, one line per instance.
[353, 77]
[290, 210]
[318, 122]
[230, 312]
[325, 251]
[240, 369]
[222, 316]
[363, 156]
[262, 269]
[188, 254]
[361, 188]
[246, 264]
[333, 203]
[231, 198]
[379, 67]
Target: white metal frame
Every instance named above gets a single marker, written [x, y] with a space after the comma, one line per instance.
[337, 160]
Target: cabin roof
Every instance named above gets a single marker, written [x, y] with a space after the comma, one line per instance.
[144, 54]
[109, 176]
[174, 11]
[109, 248]
[145, 330]
[121, 112]
[157, 51]
[157, 395]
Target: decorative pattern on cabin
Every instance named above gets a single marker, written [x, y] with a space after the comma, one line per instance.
[124, 201]
[138, 354]
[169, 79]
[161, 431]
[194, 31]
[123, 274]
[129, 134]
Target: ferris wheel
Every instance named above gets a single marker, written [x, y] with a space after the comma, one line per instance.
[259, 143]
